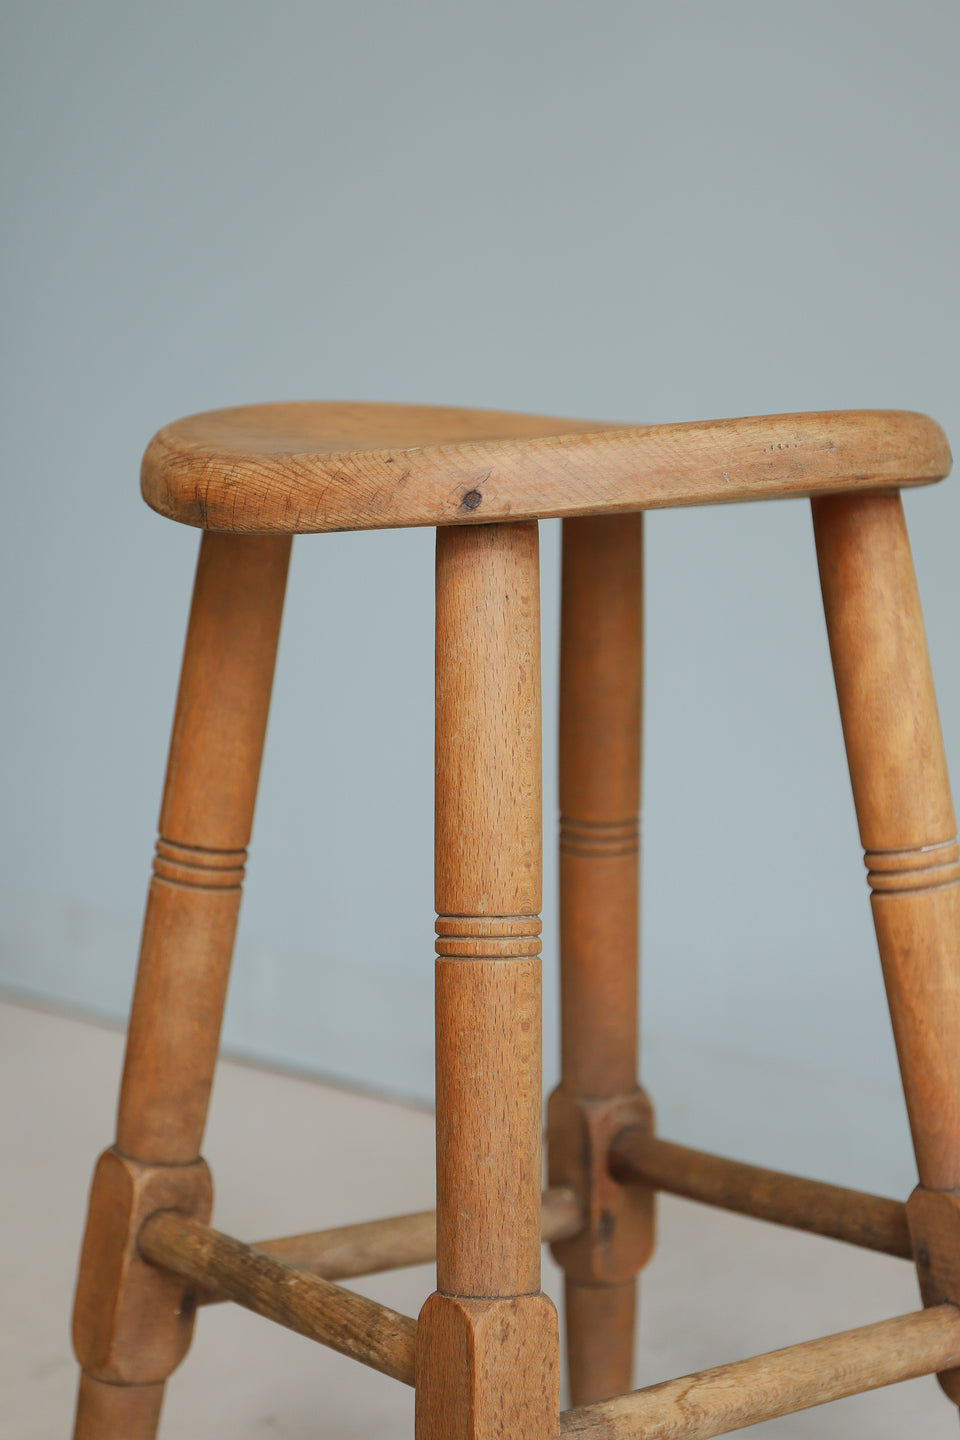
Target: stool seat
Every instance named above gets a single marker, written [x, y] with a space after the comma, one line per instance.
[311, 466]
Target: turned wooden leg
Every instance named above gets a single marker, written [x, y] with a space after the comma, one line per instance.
[487, 1342]
[908, 831]
[132, 1323]
[601, 664]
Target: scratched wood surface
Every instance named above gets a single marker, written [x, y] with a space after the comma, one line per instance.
[601, 684]
[310, 466]
[375, 1246]
[857, 1218]
[352, 1324]
[125, 1334]
[488, 1358]
[765, 1387]
[908, 828]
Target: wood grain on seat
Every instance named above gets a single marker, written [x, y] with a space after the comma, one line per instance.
[311, 466]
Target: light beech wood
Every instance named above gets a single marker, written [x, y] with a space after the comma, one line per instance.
[313, 467]
[902, 795]
[488, 1149]
[132, 1325]
[488, 1368]
[487, 1362]
[488, 865]
[117, 1412]
[484, 1353]
[375, 1246]
[205, 823]
[730, 1397]
[600, 1324]
[601, 686]
[870, 1221]
[601, 695]
[127, 1328]
[905, 813]
[934, 1220]
[349, 1323]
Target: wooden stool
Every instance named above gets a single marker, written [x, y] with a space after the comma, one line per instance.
[483, 1355]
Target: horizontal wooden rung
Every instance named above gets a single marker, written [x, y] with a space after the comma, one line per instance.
[730, 1397]
[374, 1246]
[871, 1221]
[309, 1304]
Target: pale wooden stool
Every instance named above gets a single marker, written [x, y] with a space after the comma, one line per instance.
[484, 1354]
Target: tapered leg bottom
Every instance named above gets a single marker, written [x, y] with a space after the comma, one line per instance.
[116, 1412]
[600, 1333]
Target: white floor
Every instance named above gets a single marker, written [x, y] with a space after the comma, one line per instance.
[290, 1155]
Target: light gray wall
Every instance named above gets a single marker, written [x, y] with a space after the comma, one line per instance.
[634, 210]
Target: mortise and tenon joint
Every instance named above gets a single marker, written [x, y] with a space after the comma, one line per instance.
[618, 1237]
[132, 1323]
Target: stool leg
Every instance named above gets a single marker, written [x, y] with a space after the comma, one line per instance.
[132, 1323]
[601, 680]
[487, 1343]
[907, 827]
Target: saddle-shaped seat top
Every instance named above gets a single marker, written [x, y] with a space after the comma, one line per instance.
[313, 466]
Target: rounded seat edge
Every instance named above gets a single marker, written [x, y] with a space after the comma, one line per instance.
[312, 467]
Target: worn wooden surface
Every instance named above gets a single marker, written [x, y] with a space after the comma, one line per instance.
[601, 693]
[871, 1221]
[907, 825]
[908, 829]
[730, 1397]
[934, 1220]
[312, 467]
[488, 1369]
[374, 1246]
[601, 686]
[349, 1323]
[188, 935]
[132, 1325]
[600, 1323]
[485, 1338]
[488, 865]
[117, 1412]
[205, 823]
[486, 1349]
